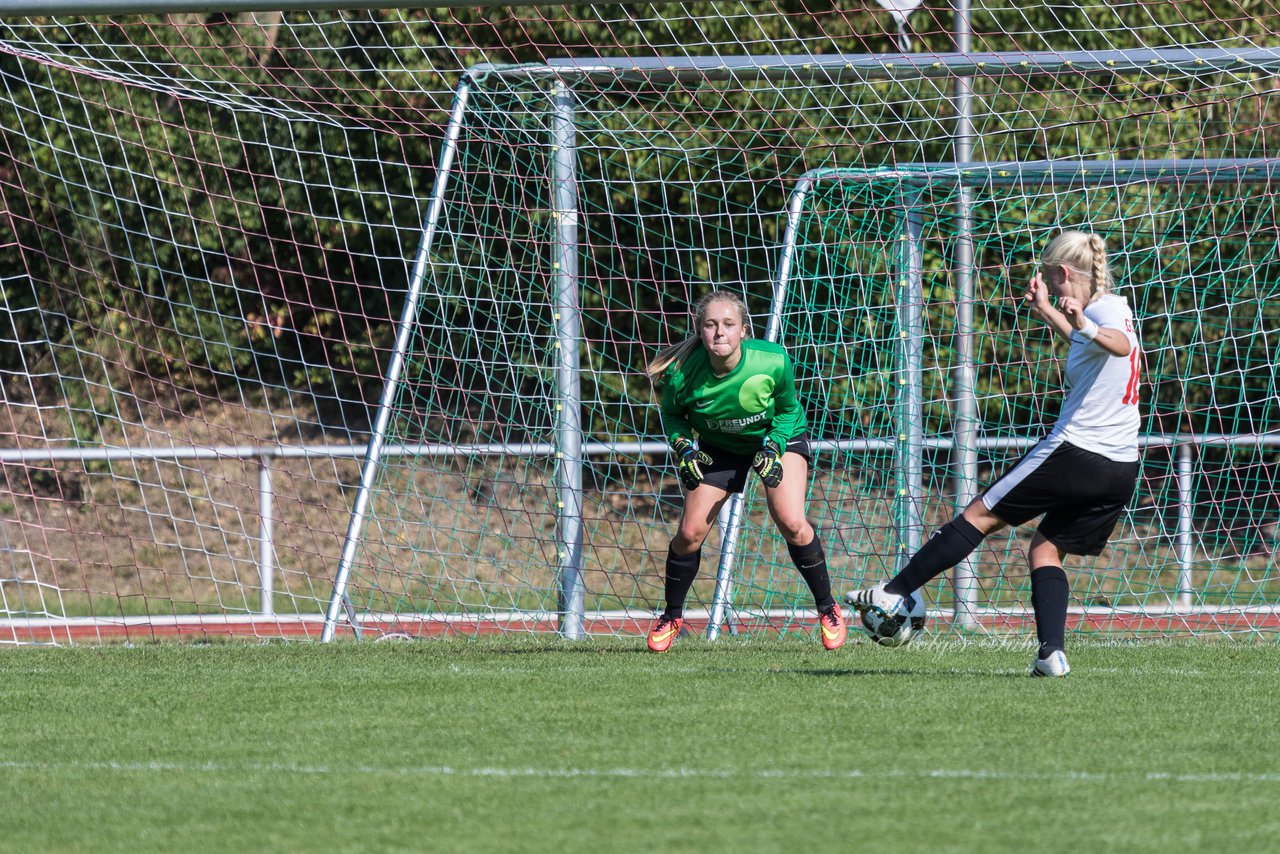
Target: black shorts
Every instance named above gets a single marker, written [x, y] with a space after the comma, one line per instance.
[728, 470]
[1080, 493]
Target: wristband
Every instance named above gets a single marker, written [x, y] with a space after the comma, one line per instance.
[1089, 331]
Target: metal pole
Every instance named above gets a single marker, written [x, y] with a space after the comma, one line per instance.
[774, 328]
[408, 320]
[1183, 537]
[730, 527]
[965, 458]
[545, 449]
[564, 193]
[266, 544]
[731, 520]
[909, 500]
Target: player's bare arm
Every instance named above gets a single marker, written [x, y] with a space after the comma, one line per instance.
[1068, 317]
[1113, 341]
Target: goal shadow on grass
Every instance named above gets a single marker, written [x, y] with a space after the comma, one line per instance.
[914, 672]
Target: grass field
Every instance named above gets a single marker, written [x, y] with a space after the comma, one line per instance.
[536, 745]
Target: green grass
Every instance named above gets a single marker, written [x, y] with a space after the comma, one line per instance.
[527, 745]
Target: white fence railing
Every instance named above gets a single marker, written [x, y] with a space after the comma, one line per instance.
[1184, 446]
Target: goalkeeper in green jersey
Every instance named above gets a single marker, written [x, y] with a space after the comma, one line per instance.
[728, 406]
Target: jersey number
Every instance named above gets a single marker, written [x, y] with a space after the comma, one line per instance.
[1131, 390]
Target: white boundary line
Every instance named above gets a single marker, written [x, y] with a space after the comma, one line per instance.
[641, 773]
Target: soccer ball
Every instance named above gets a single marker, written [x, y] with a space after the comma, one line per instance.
[898, 631]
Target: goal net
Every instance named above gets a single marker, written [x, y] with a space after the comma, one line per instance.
[344, 315]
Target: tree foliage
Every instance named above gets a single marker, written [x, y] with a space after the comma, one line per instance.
[199, 204]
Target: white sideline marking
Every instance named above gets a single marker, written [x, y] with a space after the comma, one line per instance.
[644, 773]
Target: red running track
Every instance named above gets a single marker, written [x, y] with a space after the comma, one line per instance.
[142, 630]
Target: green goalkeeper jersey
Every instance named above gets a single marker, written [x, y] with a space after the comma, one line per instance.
[734, 412]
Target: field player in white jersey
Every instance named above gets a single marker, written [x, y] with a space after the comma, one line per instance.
[1079, 477]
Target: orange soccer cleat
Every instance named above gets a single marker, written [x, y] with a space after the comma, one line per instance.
[832, 627]
[664, 632]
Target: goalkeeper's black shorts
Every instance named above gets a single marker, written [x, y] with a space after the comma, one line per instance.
[729, 470]
[1080, 493]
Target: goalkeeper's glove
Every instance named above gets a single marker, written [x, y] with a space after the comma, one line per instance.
[768, 463]
[691, 462]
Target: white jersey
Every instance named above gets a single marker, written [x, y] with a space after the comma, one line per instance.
[1100, 413]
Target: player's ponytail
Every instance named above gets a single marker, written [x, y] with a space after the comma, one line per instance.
[1085, 254]
[677, 353]
[669, 356]
[1101, 271]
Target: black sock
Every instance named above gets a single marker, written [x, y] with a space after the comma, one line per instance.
[1049, 594]
[681, 570]
[949, 545]
[811, 560]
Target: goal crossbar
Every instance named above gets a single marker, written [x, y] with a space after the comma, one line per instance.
[838, 68]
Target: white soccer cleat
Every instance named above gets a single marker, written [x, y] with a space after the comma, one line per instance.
[1054, 665]
[887, 606]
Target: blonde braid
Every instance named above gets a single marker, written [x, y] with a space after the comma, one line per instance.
[1084, 253]
[1101, 272]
